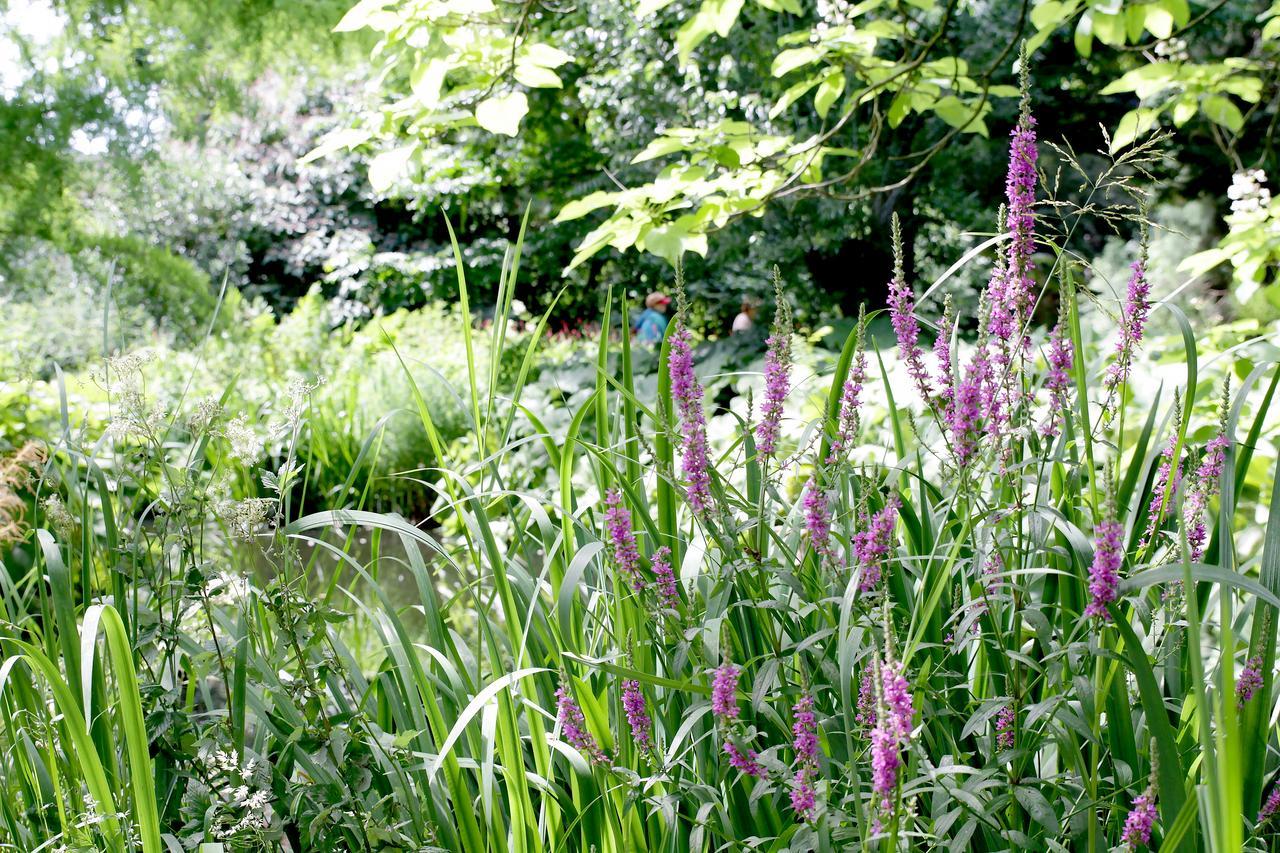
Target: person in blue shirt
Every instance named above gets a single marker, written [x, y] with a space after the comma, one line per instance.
[651, 325]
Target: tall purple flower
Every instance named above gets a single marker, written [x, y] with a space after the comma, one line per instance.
[1011, 305]
[817, 521]
[687, 392]
[872, 544]
[1005, 722]
[1168, 478]
[724, 693]
[1208, 477]
[902, 306]
[850, 400]
[942, 353]
[1250, 680]
[893, 727]
[1270, 807]
[621, 538]
[866, 715]
[1142, 817]
[743, 759]
[1057, 381]
[777, 374]
[963, 415]
[573, 726]
[1132, 325]
[1104, 573]
[665, 577]
[804, 740]
[637, 715]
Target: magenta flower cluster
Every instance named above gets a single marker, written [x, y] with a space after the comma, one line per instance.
[777, 383]
[1013, 293]
[871, 544]
[817, 521]
[743, 759]
[804, 741]
[633, 705]
[1058, 381]
[626, 556]
[1104, 573]
[1207, 479]
[573, 727]
[1158, 510]
[902, 306]
[1250, 681]
[1270, 806]
[724, 692]
[892, 729]
[1005, 722]
[665, 577]
[1138, 824]
[687, 392]
[850, 408]
[1132, 324]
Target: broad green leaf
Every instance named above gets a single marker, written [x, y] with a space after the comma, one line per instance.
[828, 93]
[368, 13]
[1221, 110]
[537, 76]
[797, 57]
[390, 166]
[586, 204]
[1134, 124]
[502, 113]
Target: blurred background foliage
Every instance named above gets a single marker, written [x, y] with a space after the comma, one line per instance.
[280, 174]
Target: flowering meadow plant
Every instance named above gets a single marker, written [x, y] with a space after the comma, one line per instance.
[977, 599]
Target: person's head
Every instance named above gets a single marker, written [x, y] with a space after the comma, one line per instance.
[658, 301]
[749, 307]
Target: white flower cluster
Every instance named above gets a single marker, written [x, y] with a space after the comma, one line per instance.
[206, 413]
[246, 808]
[58, 516]
[244, 517]
[1248, 193]
[1172, 50]
[246, 445]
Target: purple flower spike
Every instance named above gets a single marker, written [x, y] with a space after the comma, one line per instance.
[872, 544]
[687, 392]
[1013, 300]
[1104, 573]
[637, 716]
[744, 761]
[1249, 682]
[1270, 807]
[817, 520]
[1058, 380]
[573, 727]
[1142, 817]
[1005, 722]
[724, 693]
[1132, 325]
[665, 577]
[621, 538]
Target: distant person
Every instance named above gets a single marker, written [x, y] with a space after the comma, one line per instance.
[651, 325]
[746, 319]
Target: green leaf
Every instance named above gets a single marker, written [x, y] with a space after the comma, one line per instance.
[829, 91]
[502, 113]
[1221, 110]
[367, 13]
[1134, 124]
[797, 57]
[537, 76]
[390, 166]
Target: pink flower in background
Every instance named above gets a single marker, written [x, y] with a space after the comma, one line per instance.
[902, 308]
[866, 716]
[1005, 722]
[850, 405]
[817, 521]
[1207, 480]
[1158, 510]
[1014, 297]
